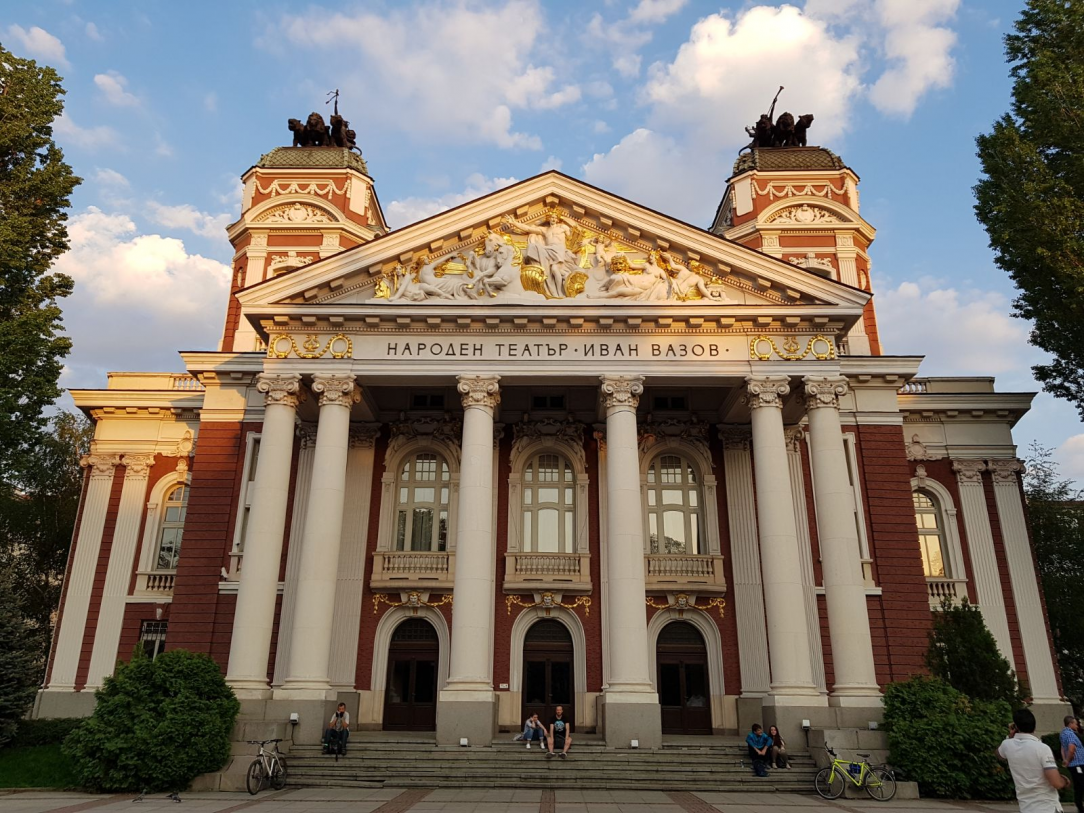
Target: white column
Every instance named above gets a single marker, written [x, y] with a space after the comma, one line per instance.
[254, 615]
[980, 544]
[785, 609]
[841, 563]
[80, 577]
[118, 574]
[310, 644]
[1025, 587]
[475, 558]
[748, 587]
[351, 570]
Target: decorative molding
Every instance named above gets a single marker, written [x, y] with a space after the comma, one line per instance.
[969, 471]
[446, 429]
[692, 431]
[1004, 471]
[766, 391]
[280, 345]
[736, 437]
[414, 601]
[803, 215]
[621, 390]
[547, 601]
[281, 388]
[295, 213]
[307, 433]
[287, 262]
[917, 450]
[338, 390]
[824, 391]
[794, 435]
[321, 189]
[101, 465]
[567, 434]
[479, 390]
[820, 347]
[137, 466]
[364, 435]
[681, 602]
[775, 190]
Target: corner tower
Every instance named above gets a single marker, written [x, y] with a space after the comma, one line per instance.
[800, 204]
[300, 204]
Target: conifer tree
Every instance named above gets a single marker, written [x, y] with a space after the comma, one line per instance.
[18, 656]
[964, 654]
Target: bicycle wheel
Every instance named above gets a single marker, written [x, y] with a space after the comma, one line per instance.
[278, 774]
[880, 784]
[829, 783]
[256, 777]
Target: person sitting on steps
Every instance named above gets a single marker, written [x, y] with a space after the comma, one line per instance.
[533, 730]
[759, 745]
[338, 731]
[560, 734]
[778, 752]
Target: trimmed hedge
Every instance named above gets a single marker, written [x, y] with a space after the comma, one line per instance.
[47, 731]
[158, 724]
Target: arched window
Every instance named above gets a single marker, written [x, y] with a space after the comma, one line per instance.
[931, 535]
[674, 523]
[421, 520]
[549, 505]
[169, 537]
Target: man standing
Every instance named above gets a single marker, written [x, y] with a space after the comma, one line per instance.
[1072, 757]
[560, 734]
[1034, 771]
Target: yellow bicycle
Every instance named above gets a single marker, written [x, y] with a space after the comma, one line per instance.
[879, 782]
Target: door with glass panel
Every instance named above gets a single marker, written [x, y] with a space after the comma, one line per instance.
[548, 672]
[410, 695]
[682, 673]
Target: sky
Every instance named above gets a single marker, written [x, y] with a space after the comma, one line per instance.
[169, 103]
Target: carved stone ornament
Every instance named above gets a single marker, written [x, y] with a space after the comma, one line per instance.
[364, 435]
[917, 450]
[101, 465]
[969, 471]
[692, 431]
[824, 391]
[766, 391]
[794, 435]
[281, 388]
[445, 428]
[735, 437]
[1005, 471]
[804, 215]
[339, 390]
[294, 213]
[621, 390]
[307, 433]
[569, 430]
[920, 475]
[137, 466]
[479, 390]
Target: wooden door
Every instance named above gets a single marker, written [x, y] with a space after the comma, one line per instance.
[410, 695]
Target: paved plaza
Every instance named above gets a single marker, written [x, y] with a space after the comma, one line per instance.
[397, 800]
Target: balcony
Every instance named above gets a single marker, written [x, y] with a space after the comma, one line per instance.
[409, 570]
[699, 574]
[561, 572]
[151, 583]
[939, 589]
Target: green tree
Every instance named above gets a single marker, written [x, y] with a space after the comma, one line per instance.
[39, 500]
[964, 654]
[19, 646]
[1056, 516]
[35, 186]
[1031, 198]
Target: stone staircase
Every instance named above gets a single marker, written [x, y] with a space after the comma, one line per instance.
[384, 759]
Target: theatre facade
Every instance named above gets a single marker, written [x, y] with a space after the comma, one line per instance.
[549, 447]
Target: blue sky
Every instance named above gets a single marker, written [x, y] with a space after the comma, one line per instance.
[168, 103]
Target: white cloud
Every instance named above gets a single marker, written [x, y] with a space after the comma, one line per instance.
[600, 127]
[136, 285]
[40, 44]
[628, 65]
[162, 147]
[87, 138]
[553, 162]
[410, 210]
[111, 178]
[441, 71]
[188, 217]
[112, 85]
[93, 33]
[1070, 457]
[655, 11]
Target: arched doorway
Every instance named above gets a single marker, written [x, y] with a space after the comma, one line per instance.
[547, 671]
[410, 696]
[684, 692]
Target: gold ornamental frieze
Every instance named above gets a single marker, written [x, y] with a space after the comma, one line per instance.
[764, 348]
[547, 602]
[682, 602]
[281, 345]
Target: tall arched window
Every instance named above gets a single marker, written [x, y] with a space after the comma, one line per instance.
[421, 521]
[549, 505]
[674, 523]
[169, 537]
[931, 535]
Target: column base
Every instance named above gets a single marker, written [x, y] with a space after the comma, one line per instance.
[627, 716]
[302, 690]
[469, 714]
[249, 688]
[63, 702]
[1049, 715]
[866, 699]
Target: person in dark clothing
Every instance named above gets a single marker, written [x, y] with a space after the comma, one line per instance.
[778, 752]
[560, 734]
[759, 745]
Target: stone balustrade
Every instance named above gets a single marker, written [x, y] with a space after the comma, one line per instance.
[567, 572]
[394, 570]
[704, 574]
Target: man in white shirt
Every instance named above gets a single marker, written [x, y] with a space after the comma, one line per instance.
[1034, 771]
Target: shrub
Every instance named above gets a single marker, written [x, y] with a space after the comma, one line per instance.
[946, 741]
[18, 664]
[157, 726]
[964, 654]
[47, 731]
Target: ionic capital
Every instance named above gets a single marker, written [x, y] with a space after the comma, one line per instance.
[824, 391]
[969, 471]
[621, 390]
[337, 390]
[766, 391]
[1004, 471]
[479, 390]
[137, 466]
[101, 465]
[281, 388]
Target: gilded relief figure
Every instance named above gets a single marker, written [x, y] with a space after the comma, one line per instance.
[492, 269]
[547, 248]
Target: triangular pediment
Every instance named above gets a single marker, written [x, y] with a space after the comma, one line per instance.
[546, 242]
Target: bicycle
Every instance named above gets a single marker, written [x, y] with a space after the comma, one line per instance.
[269, 767]
[879, 781]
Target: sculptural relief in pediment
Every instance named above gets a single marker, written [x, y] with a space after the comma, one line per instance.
[295, 213]
[803, 215]
[552, 258]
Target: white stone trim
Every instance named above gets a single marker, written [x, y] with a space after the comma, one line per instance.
[713, 640]
[697, 453]
[524, 621]
[522, 454]
[385, 629]
[805, 553]
[950, 525]
[155, 509]
[389, 481]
